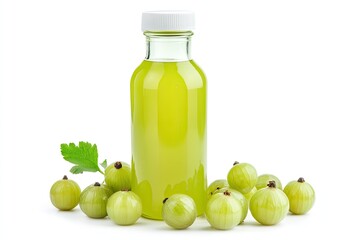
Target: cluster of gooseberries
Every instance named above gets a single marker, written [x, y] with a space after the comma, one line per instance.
[263, 195]
[112, 198]
[228, 200]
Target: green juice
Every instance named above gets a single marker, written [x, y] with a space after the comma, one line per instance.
[168, 120]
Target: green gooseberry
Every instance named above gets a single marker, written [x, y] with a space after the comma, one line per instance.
[301, 196]
[93, 200]
[65, 194]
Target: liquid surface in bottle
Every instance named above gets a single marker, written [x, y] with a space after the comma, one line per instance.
[168, 112]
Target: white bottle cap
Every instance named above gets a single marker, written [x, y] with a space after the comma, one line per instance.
[168, 21]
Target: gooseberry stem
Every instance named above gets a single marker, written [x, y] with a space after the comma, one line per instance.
[118, 165]
[236, 162]
[301, 180]
[227, 193]
[272, 184]
[97, 184]
[65, 177]
[164, 201]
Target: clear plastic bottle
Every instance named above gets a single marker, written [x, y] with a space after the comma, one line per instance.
[168, 115]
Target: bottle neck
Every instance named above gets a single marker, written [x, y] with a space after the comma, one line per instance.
[168, 46]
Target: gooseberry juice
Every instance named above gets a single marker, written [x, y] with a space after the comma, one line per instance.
[168, 119]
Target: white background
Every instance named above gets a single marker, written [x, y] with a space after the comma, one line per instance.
[283, 94]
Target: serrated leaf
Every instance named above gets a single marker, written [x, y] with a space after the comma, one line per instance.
[84, 156]
[104, 164]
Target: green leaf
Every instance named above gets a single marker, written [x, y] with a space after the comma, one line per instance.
[84, 156]
[76, 170]
[104, 164]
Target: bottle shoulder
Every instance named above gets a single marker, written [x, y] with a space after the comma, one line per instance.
[169, 69]
[152, 74]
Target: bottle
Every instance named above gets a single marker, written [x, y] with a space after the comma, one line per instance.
[168, 115]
